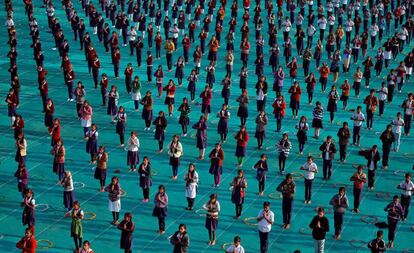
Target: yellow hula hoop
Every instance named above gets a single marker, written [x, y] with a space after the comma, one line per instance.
[370, 219]
[123, 193]
[248, 223]
[275, 195]
[296, 175]
[92, 216]
[48, 245]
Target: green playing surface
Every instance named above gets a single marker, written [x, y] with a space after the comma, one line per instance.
[53, 227]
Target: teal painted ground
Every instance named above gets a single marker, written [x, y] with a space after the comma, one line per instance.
[53, 226]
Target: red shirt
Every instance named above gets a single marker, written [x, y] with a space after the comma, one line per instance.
[206, 96]
[149, 60]
[242, 138]
[158, 40]
[27, 245]
[186, 43]
[170, 90]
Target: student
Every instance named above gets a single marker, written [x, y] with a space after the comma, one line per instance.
[343, 134]
[160, 124]
[175, 151]
[407, 189]
[127, 227]
[121, 119]
[113, 97]
[301, 134]
[58, 152]
[170, 89]
[216, 162]
[222, 126]
[279, 107]
[145, 178]
[340, 204]
[265, 220]
[328, 152]
[213, 209]
[114, 199]
[310, 169]
[359, 178]
[28, 243]
[92, 143]
[288, 189]
[242, 111]
[22, 178]
[408, 105]
[236, 247]
[377, 245]
[184, 119]
[21, 150]
[136, 92]
[397, 123]
[283, 146]
[68, 193]
[160, 208]
[76, 229]
[180, 240]
[261, 123]
[261, 171]
[372, 155]
[242, 138]
[358, 117]
[100, 170]
[387, 138]
[239, 184]
[28, 204]
[395, 213]
[191, 185]
[147, 111]
[371, 102]
[201, 136]
[86, 247]
[133, 148]
[319, 226]
[317, 119]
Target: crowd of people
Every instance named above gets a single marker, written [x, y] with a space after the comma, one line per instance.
[344, 32]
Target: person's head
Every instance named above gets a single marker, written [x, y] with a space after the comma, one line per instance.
[380, 234]
[341, 191]
[266, 205]
[213, 198]
[263, 157]
[86, 245]
[310, 159]
[176, 138]
[375, 148]
[236, 240]
[289, 178]
[389, 128]
[372, 92]
[145, 160]
[102, 149]
[399, 115]
[321, 212]
[28, 192]
[396, 199]
[345, 125]
[161, 188]
[94, 127]
[114, 180]
[182, 228]
[329, 139]
[359, 109]
[407, 177]
[240, 173]
[161, 114]
[217, 146]
[128, 216]
[191, 167]
[28, 232]
[68, 174]
[76, 205]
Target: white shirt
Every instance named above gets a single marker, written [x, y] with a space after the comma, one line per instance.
[406, 187]
[232, 248]
[322, 23]
[349, 24]
[310, 30]
[132, 35]
[287, 25]
[263, 225]
[358, 118]
[374, 30]
[299, 19]
[310, 170]
[383, 93]
[397, 123]
[133, 144]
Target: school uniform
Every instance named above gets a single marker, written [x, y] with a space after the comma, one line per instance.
[235, 249]
[114, 197]
[309, 175]
[213, 211]
[181, 241]
[317, 117]
[127, 228]
[242, 139]
[28, 216]
[133, 147]
[191, 185]
[359, 181]
[222, 127]
[22, 179]
[68, 193]
[319, 233]
[160, 209]
[264, 228]
[145, 179]
[328, 153]
[301, 134]
[175, 151]
[113, 97]
[92, 143]
[120, 125]
[340, 204]
[377, 246]
[201, 134]
[76, 228]
[21, 151]
[27, 245]
[395, 213]
[288, 193]
[239, 185]
[407, 188]
[216, 162]
[160, 125]
[100, 170]
[147, 111]
[59, 160]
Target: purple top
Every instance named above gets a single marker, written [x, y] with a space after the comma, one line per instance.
[114, 192]
[161, 200]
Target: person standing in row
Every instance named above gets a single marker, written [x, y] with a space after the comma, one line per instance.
[283, 147]
[236, 246]
[328, 152]
[387, 138]
[160, 124]
[29, 205]
[92, 143]
[288, 189]
[395, 213]
[114, 202]
[216, 162]
[397, 124]
[133, 148]
[265, 220]
[239, 184]
[358, 117]
[242, 138]
[213, 209]
[343, 134]
[100, 170]
[319, 226]
[310, 169]
[407, 189]
[59, 153]
[340, 204]
[160, 208]
[372, 155]
[28, 243]
[68, 192]
[261, 171]
[147, 111]
[359, 178]
[180, 240]
[127, 226]
[377, 245]
[121, 119]
[191, 185]
[76, 229]
[145, 178]
[175, 151]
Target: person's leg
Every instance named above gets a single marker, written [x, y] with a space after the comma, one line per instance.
[325, 168]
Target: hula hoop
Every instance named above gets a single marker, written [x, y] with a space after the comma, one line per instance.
[248, 223]
[357, 243]
[46, 206]
[81, 185]
[305, 231]
[400, 172]
[296, 175]
[383, 195]
[327, 209]
[123, 193]
[275, 195]
[214, 121]
[377, 133]
[200, 212]
[48, 245]
[369, 219]
[154, 172]
[92, 216]
[225, 245]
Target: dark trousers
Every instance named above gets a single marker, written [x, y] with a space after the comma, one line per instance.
[149, 73]
[161, 223]
[239, 208]
[145, 193]
[70, 89]
[190, 202]
[338, 221]
[169, 61]
[95, 74]
[370, 118]
[262, 185]
[356, 135]
[405, 203]
[116, 69]
[264, 239]
[308, 189]
[327, 168]
[392, 227]
[287, 204]
[371, 178]
[381, 107]
[357, 197]
[342, 151]
[407, 121]
[385, 155]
